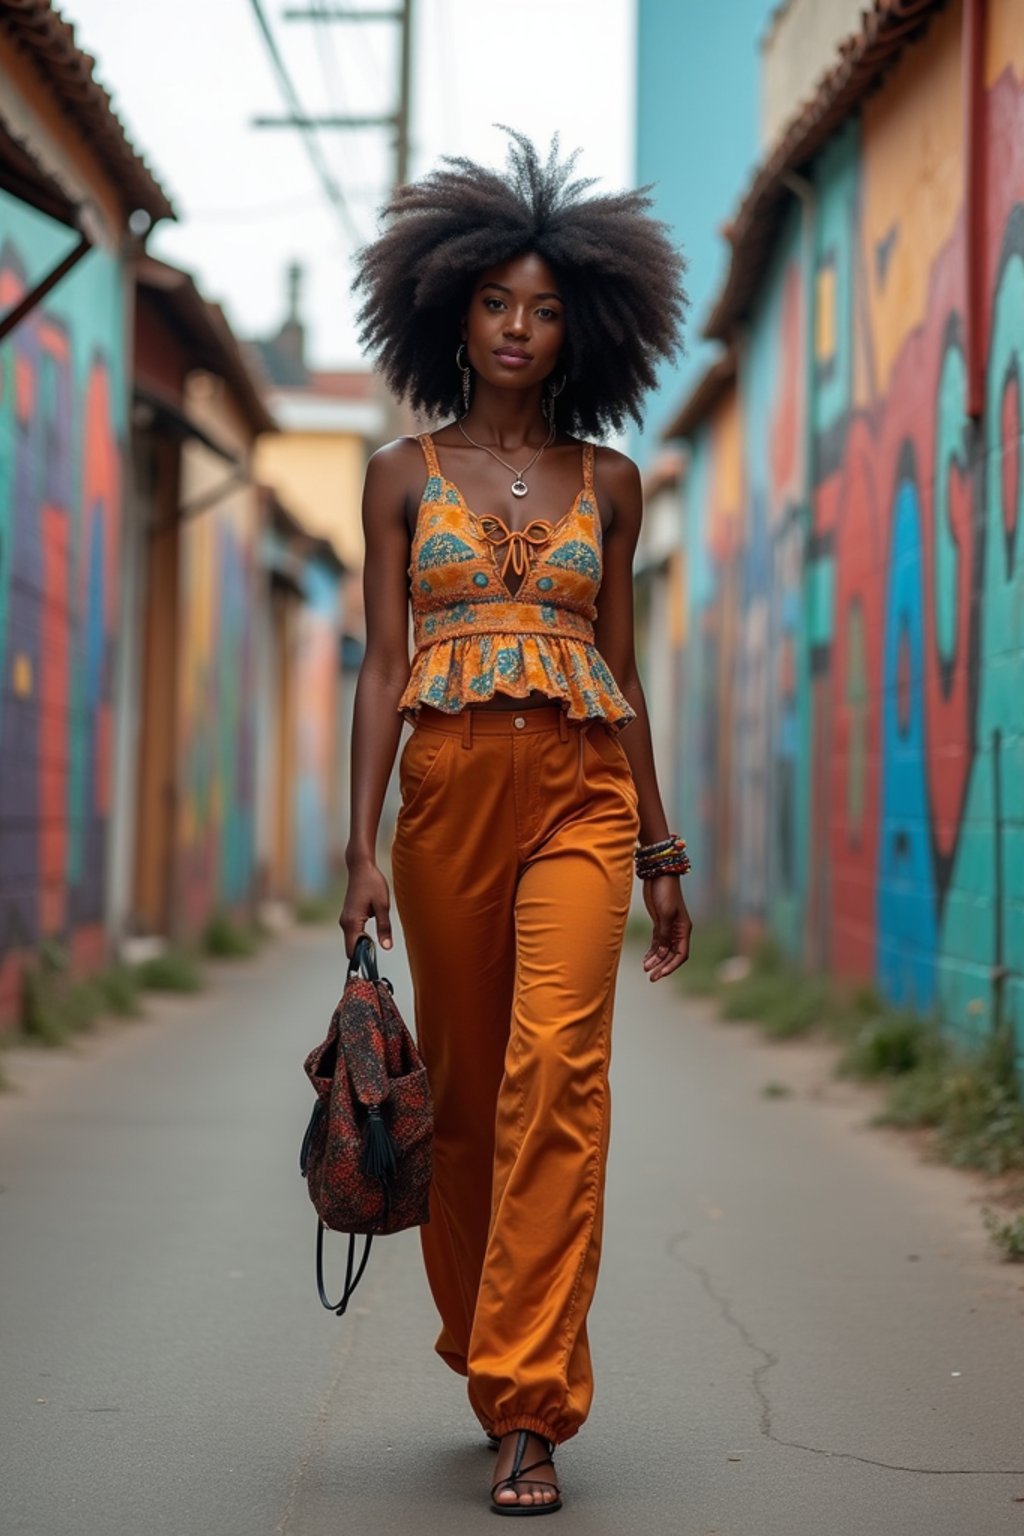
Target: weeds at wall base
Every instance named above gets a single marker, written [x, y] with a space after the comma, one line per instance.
[970, 1103]
[176, 970]
[225, 939]
[1007, 1235]
[55, 1007]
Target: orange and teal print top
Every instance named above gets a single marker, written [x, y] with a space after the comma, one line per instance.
[475, 637]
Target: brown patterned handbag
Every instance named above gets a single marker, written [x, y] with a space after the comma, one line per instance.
[366, 1154]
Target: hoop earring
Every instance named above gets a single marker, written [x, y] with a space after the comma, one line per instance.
[551, 394]
[467, 375]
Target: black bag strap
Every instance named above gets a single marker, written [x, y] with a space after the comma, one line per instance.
[364, 962]
[364, 958]
[338, 1307]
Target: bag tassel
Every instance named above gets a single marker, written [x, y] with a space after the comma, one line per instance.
[378, 1160]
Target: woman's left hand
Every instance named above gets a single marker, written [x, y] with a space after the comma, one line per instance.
[670, 943]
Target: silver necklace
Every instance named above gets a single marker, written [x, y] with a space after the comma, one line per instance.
[519, 485]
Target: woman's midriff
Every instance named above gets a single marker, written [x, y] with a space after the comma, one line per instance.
[533, 700]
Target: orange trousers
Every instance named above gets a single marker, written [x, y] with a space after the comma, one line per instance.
[512, 871]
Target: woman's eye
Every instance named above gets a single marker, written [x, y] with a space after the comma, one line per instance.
[548, 314]
[493, 304]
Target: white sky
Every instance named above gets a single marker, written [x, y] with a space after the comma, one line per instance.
[187, 76]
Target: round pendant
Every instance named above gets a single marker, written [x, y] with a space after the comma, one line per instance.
[519, 486]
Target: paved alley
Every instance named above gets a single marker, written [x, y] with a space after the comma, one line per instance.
[798, 1330]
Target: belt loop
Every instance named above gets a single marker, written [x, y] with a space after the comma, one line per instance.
[563, 729]
[467, 728]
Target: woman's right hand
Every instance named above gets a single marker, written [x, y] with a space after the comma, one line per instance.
[366, 896]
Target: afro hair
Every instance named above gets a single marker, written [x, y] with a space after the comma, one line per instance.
[619, 274]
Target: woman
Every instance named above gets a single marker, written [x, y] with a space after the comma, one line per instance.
[534, 313]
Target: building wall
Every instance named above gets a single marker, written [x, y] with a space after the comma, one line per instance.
[62, 434]
[854, 701]
[319, 476]
[317, 663]
[696, 86]
[217, 694]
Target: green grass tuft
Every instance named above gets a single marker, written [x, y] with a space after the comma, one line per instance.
[176, 970]
[972, 1102]
[754, 996]
[224, 939]
[799, 1008]
[1008, 1236]
[53, 1007]
[888, 1045]
[121, 992]
[42, 1017]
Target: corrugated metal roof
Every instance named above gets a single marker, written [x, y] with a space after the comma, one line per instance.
[888, 26]
[39, 30]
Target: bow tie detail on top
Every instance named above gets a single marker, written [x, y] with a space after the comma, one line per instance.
[518, 542]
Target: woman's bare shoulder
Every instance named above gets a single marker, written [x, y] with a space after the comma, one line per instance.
[396, 471]
[400, 455]
[617, 475]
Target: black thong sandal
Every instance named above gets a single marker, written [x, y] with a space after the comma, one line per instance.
[520, 1474]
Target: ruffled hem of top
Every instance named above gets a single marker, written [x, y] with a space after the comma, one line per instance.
[453, 674]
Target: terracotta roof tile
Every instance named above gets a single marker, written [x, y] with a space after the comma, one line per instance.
[49, 41]
[888, 25]
[213, 344]
[704, 396]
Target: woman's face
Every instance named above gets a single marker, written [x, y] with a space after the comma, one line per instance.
[515, 323]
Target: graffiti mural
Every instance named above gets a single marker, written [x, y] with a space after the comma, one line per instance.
[215, 851]
[316, 690]
[61, 436]
[875, 707]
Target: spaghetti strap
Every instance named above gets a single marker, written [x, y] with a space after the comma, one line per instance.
[426, 442]
[588, 470]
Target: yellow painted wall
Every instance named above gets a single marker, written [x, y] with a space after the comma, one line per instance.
[1004, 39]
[912, 187]
[726, 499]
[319, 478]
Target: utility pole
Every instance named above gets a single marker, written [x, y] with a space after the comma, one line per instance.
[398, 120]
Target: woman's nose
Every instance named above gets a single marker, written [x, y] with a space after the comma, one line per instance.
[516, 323]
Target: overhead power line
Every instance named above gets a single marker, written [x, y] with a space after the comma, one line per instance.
[302, 120]
[328, 59]
[399, 119]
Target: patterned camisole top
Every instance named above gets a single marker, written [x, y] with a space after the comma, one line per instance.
[475, 636]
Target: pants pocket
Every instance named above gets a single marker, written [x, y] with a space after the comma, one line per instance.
[419, 765]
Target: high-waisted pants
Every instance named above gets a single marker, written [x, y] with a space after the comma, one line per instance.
[512, 871]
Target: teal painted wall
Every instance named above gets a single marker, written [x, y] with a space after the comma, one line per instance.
[697, 126]
[853, 713]
[62, 431]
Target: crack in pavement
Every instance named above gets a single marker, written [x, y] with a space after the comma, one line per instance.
[769, 1360]
[317, 1433]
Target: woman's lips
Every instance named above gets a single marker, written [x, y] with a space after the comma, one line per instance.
[513, 359]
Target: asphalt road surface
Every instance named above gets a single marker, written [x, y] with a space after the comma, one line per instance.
[799, 1330]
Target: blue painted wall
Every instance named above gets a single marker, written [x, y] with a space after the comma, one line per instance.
[698, 68]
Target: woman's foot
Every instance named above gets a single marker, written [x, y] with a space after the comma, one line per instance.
[525, 1475]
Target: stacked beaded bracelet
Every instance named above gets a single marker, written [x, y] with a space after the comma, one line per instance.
[669, 857]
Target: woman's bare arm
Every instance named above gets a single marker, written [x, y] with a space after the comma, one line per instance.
[618, 487]
[376, 723]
